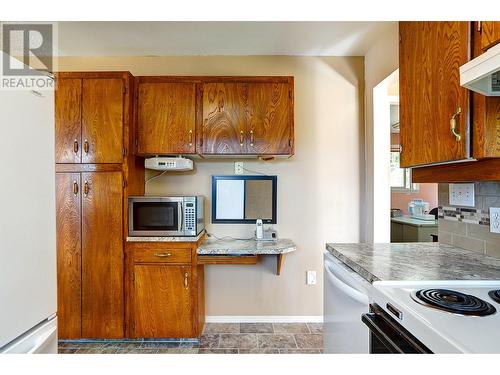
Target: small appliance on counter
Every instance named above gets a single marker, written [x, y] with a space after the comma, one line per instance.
[396, 212]
[164, 163]
[262, 234]
[165, 216]
[418, 209]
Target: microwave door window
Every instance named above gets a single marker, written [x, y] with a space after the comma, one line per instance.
[156, 216]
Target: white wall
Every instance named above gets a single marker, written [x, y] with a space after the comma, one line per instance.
[380, 61]
[319, 188]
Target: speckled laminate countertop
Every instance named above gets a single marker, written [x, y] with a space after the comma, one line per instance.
[414, 222]
[245, 247]
[166, 239]
[415, 261]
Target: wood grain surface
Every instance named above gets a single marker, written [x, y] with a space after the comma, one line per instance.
[166, 118]
[481, 170]
[69, 267]
[102, 120]
[224, 118]
[430, 56]
[171, 314]
[102, 255]
[268, 130]
[490, 34]
[68, 96]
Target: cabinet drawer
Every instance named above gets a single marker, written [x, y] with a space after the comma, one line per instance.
[162, 255]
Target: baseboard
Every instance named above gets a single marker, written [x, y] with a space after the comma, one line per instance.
[264, 319]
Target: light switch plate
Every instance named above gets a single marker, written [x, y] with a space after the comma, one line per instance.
[311, 278]
[494, 219]
[462, 195]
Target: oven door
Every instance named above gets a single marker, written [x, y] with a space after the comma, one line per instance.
[155, 217]
[388, 336]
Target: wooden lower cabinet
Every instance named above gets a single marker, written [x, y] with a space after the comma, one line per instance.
[165, 290]
[90, 254]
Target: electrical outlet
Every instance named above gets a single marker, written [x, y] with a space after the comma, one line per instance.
[311, 278]
[462, 195]
[494, 220]
[238, 167]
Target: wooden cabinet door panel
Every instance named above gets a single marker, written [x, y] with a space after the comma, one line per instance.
[166, 118]
[68, 224]
[162, 301]
[68, 96]
[431, 54]
[224, 118]
[102, 255]
[268, 123]
[102, 120]
[490, 34]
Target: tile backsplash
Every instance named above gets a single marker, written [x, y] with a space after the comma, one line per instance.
[469, 227]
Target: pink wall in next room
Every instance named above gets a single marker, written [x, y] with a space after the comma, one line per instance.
[427, 192]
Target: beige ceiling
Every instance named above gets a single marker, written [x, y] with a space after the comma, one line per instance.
[218, 38]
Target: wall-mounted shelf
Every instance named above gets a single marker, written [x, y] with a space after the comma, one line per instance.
[232, 251]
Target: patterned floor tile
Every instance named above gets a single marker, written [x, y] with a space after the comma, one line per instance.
[256, 328]
[315, 327]
[210, 340]
[222, 328]
[279, 341]
[309, 341]
[299, 351]
[218, 351]
[259, 351]
[238, 340]
[291, 328]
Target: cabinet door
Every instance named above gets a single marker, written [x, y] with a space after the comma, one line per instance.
[102, 255]
[68, 96]
[490, 34]
[224, 118]
[166, 118]
[162, 301]
[430, 56]
[102, 120]
[69, 268]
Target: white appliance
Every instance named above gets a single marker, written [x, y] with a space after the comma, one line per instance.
[28, 289]
[482, 74]
[418, 209]
[346, 299]
[432, 315]
[164, 163]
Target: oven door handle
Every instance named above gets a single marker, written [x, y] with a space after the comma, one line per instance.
[395, 339]
[382, 331]
[179, 216]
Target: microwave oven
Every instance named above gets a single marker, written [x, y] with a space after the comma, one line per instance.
[165, 216]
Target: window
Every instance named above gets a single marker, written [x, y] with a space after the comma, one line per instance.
[400, 177]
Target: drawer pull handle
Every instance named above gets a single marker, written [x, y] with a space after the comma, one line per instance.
[162, 255]
[75, 187]
[453, 124]
[86, 188]
[251, 138]
[186, 284]
[241, 138]
[75, 146]
[86, 146]
[190, 138]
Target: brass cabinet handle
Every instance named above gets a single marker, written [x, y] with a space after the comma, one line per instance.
[453, 124]
[86, 188]
[190, 138]
[75, 146]
[86, 146]
[162, 255]
[251, 138]
[186, 284]
[241, 138]
[75, 187]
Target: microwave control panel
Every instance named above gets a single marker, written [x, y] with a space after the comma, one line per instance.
[190, 216]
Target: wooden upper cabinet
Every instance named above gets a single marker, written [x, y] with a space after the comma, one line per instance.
[166, 117]
[102, 255]
[69, 266]
[102, 120]
[269, 124]
[224, 118]
[430, 56]
[162, 301]
[68, 96]
[490, 33]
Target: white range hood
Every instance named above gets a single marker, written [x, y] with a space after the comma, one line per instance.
[482, 74]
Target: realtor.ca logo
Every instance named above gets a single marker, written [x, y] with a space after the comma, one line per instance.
[28, 56]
